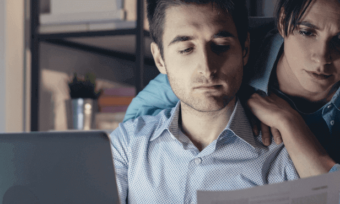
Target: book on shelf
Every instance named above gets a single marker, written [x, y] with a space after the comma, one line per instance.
[122, 91]
[113, 109]
[76, 18]
[83, 27]
[84, 6]
[114, 100]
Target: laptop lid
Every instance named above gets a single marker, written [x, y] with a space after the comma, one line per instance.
[57, 167]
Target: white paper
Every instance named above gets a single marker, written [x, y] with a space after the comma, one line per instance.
[323, 189]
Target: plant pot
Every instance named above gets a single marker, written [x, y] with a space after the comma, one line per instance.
[81, 113]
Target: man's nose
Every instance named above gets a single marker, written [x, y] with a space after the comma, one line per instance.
[207, 63]
[321, 54]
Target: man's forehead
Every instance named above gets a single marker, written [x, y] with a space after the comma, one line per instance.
[187, 10]
[191, 17]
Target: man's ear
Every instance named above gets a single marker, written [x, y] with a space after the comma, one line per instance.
[281, 23]
[156, 53]
[246, 50]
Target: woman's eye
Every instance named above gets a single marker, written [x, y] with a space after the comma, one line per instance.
[337, 39]
[186, 50]
[306, 33]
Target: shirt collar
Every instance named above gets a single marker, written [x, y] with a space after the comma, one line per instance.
[168, 121]
[238, 124]
[336, 99]
[267, 59]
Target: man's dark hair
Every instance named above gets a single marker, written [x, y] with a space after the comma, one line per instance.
[156, 16]
[292, 12]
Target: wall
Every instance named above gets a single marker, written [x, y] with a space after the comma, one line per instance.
[263, 8]
[268, 7]
[2, 67]
[11, 65]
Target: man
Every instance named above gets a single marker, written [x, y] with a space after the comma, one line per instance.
[205, 142]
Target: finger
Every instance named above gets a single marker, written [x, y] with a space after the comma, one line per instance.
[255, 124]
[265, 134]
[251, 102]
[276, 135]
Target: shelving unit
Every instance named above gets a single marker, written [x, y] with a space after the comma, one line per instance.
[70, 39]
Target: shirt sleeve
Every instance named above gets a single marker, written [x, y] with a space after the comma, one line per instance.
[335, 168]
[119, 150]
[155, 97]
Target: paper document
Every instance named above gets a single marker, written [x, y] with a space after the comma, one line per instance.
[323, 189]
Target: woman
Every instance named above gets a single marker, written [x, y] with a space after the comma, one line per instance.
[300, 63]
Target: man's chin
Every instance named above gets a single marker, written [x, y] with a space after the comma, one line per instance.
[208, 106]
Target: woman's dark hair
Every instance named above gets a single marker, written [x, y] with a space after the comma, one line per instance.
[156, 15]
[291, 12]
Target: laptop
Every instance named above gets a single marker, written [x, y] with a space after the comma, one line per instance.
[57, 167]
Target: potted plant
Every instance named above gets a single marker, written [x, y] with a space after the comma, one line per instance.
[84, 97]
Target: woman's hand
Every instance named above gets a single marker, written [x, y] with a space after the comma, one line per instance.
[307, 154]
[268, 109]
[258, 126]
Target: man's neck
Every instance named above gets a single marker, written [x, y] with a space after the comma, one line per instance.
[204, 127]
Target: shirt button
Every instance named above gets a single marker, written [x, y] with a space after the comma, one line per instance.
[332, 122]
[329, 106]
[198, 161]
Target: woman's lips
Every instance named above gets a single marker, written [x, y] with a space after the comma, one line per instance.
[319, 76]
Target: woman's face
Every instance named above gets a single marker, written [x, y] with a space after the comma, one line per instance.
[312, 50]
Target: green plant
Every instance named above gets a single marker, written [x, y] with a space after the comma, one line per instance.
[84, 88]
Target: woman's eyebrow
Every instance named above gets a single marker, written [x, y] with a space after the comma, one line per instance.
[308, 24]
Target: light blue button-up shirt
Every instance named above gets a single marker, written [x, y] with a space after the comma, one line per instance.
[156, 163]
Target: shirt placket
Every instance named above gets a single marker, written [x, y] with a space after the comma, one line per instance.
[335, 131]
[196, 171]
[329, 116]
[195, 176]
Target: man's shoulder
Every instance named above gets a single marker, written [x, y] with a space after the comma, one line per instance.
[143, 127]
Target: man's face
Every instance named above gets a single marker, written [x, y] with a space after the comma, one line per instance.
[312, 51]
[203, 57]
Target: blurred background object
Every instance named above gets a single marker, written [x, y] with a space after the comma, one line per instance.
[83, 104]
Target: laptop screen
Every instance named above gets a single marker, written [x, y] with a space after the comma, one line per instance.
[68, 167]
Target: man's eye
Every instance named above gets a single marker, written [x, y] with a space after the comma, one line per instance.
[186, 50]
[219, 48]
[306, 33]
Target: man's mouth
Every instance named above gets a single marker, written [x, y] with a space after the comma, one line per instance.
[209, 87]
